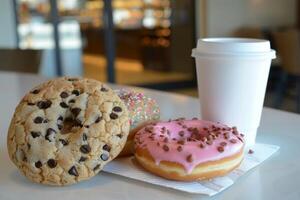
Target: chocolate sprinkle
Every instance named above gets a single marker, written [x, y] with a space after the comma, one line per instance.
[250, 151]
[117, 109]
[165, 148]
[201, 145]
[220, 149]
[106, 147]
[233, 141]
[104, 157]
[189, 158]
[38, 164]
[182, 142]
[73, 171]
[113, 116]
[209, 142]
[51, 163]
[38, 120]
[35, 134]
[223, 144]
[30, 104]
[64, 95]
[179, 148]
[85, 149]
[181, 133]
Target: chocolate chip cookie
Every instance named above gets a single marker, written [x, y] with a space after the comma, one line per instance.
[65, 130]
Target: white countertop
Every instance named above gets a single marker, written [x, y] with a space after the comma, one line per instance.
[276, 178]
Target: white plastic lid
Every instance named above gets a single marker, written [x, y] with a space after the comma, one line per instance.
[233, 47]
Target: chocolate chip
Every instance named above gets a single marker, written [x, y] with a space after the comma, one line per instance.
[45, 121]
[84, 137]
[73, 171]
[189, 158]
[179, 148]
[38, 120]
[220, 149]
[30, 104]
[64, 142]
[98, 119]
[75, 111]
[85, 148]
[36, 91]
[59, 126]
[72, 79]
[233, 141]
[104, 157]
[49, 132]
[64, 95]
[223, 144]
[72, 101]
[106, 147]
[117, 109]
[51, 163]
[76, 92]
[165, 148]
[120, 135]
[35, 134]
[38, 164]
[96, 167]
[44, 104]
[250, 151]
[103, 89]
[82, 159]
[113, 116]
[77, 122]
[87, 126]
[60, 118]
[63, 105]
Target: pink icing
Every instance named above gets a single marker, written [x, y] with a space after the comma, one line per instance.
[203, 141]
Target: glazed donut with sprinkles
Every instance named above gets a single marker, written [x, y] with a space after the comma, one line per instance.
[189, 150]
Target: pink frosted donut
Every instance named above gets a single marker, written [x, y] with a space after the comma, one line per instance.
[189, 150]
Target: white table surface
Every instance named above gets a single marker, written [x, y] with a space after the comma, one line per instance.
[276, 178]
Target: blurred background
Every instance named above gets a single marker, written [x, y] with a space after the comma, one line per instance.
[146, 43]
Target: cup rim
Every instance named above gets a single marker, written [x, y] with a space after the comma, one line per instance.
[231, 46]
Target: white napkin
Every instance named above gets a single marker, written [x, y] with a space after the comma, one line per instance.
[128, 168]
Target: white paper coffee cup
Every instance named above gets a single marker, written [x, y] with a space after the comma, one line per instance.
[232, 76]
